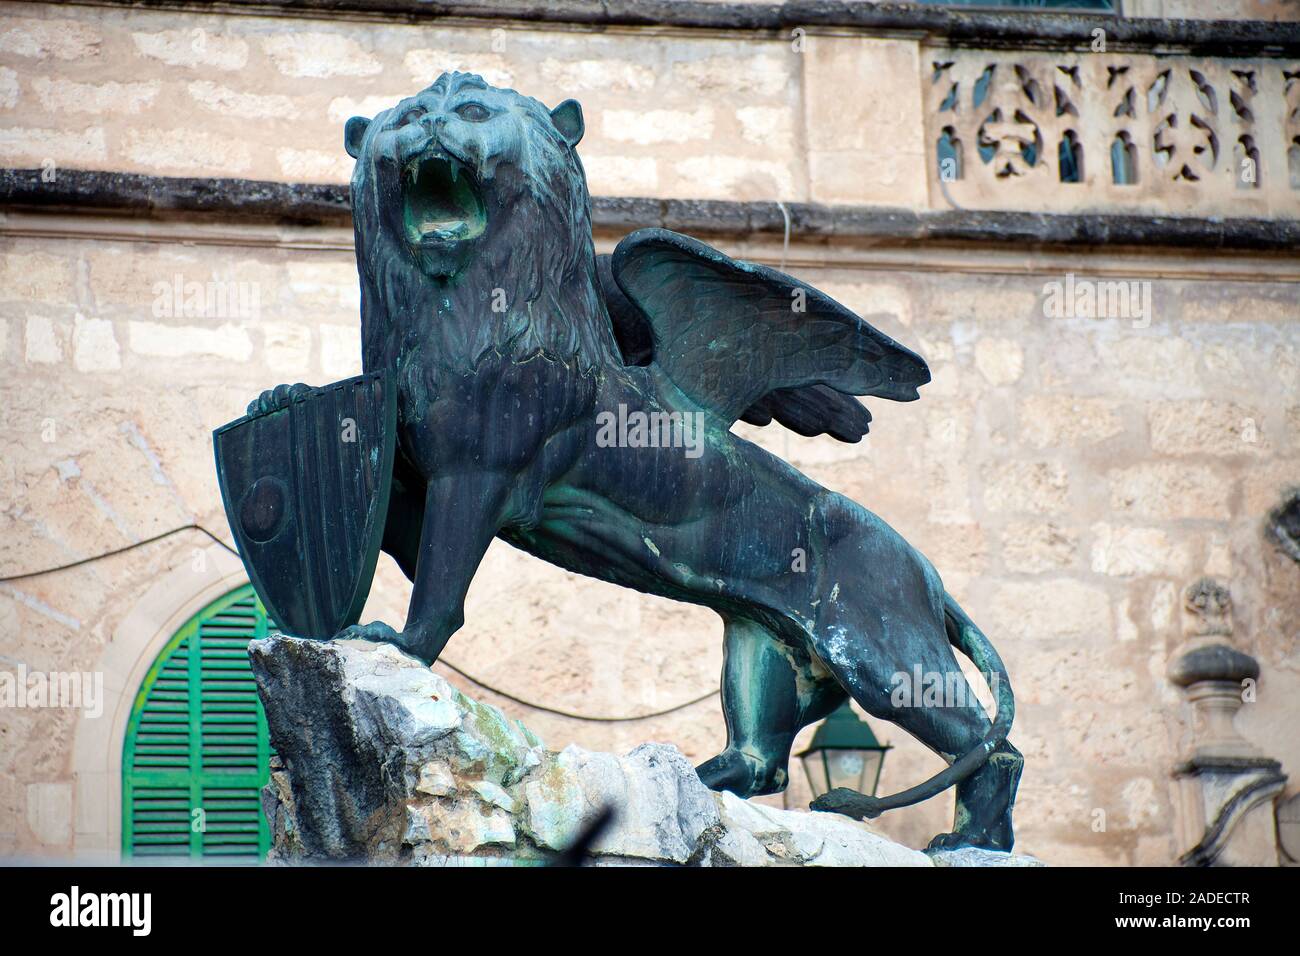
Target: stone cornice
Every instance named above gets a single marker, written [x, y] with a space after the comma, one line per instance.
[133, 194]
[1016, 28]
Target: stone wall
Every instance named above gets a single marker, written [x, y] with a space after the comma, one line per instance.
[1067, 475]
[265, 98]
[1213, 9]
[694, 114]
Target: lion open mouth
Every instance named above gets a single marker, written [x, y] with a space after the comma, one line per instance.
[441, 202]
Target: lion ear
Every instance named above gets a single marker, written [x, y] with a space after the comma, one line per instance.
[353, 133]
[567, 118]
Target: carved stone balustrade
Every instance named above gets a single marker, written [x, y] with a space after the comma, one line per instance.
[1065, 131]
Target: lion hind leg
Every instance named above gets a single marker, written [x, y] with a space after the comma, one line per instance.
[983, 767]
[769, 692]
[984, 803]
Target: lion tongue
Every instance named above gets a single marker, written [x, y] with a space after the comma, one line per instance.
[445, 227]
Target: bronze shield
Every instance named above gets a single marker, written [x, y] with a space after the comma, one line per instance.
[306, 492]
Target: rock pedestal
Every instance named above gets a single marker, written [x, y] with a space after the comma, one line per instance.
[381, 760]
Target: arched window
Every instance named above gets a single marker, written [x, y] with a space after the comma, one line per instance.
[1123, 160]
[1069, 158]
[948, 152]
[197, 753]
[1246, 159]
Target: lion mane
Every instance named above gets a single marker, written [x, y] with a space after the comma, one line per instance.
[529, 288]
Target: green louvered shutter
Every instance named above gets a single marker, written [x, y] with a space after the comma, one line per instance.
[197, 741]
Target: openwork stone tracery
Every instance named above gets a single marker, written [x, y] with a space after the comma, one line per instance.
[1027, 129]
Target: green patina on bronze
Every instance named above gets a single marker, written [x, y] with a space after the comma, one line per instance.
[526, 370]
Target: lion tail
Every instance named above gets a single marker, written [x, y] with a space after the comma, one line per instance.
[970, 640]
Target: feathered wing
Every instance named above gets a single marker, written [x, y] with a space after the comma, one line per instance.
[746, 341]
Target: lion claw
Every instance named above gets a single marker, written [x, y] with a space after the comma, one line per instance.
[408, 642]
[376, 631]
[276, 398]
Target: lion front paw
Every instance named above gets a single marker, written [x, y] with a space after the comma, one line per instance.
[1000, 841]
[412, 641]
[278, 397]
[374, 631]
[848, 802]
[948, 841]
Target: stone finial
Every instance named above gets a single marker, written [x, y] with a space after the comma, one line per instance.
[1208, 609]
[1212, 673]
[1213, 662]
[1226, 784]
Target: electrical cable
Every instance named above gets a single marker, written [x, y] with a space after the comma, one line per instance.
[450, 666]
[568, 714]
[117, 551]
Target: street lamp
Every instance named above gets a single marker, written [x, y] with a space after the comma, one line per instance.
[844, 753]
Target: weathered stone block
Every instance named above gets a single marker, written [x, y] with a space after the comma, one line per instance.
[59, 95]
[622, 175]
[94, 345]
[186, 48]
[44, 341]
[868, 148]
[1165, 490]
[30, 146]
[1126, 552]
[1055, 608]
[1050, 421]
[38, 277]
[49, 812]
[1000, 361]
[425, 65]
[319, 55]
[761, 74]
[156, 340]
[42, 39]
[1033, 547]
[1026, 486]
[186, 150]
[1204, 427]
[644, 127]
[9, 88]
[244, 105]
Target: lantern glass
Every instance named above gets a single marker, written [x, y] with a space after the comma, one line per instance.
[844, 753]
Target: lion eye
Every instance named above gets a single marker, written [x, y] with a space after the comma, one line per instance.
[410, 116]
[472, 112]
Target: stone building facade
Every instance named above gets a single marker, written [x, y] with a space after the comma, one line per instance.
[1087, 223]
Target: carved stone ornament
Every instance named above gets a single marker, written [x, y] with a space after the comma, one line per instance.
[1225, 785]
[1208, 607]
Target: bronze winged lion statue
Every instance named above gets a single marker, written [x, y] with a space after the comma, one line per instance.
[579, 407]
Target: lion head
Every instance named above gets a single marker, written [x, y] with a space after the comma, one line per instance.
[473, 229]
